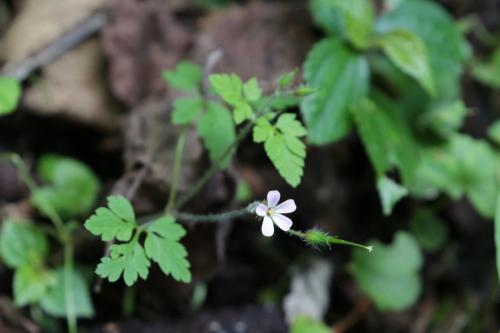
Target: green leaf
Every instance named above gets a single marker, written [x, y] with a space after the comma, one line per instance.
[390, 194]
[488, 72]
[326, 16]
[227, 86]
[445, 118]
[31, 284]
[288, 162]
[22, 244]
[494, 132]
[72, 190]
[446, 47]
[252, 90]
[128, 259]
[10, 93]
[357, 18]
[217, 130]
[303, 324]
[54, 302]
[287, 79]
[186, 110]
[408, 52]
[290, 126]
[116, 222]
[389, 275]
[430, 231]
[341, 79]
[262, 130]
[187, 76]
[163, 246]
[497, 235]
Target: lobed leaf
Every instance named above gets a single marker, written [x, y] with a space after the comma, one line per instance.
[187, 76]
[186, 110]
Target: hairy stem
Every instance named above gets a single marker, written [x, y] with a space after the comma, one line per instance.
[179, 150]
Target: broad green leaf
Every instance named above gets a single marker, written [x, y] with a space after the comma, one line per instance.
[488, 72]
[187, 76]
[446, 47]
[163, 246]
[186, 110]
[326, 16]
[252, 90]
[494, 132]
[227, 86]
[54, 302]
[128, 259]
[217, 130]
[31, 284]
[22, 244]
[10, 93]
[357, 17]
[305, 324]
[288, 162]
[497, 235]
[430, 231]
[72, 187]
[409, 53]
[390, 274]
[390, 194]
[341, 79]
[116, 222]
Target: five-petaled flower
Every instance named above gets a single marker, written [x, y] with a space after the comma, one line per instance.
[273, 213]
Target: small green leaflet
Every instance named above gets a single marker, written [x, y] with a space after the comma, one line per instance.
[187, 76]
[10, 93]
[72, 187]
[31, 284]
[128, 259]
[186, 110]
[116, 222]
[283, 146]
[162, 246]
[216, 128]
[390, 194]
[21, 244]
[241, 96]
[408, 52]
[326, 112]
[390, 274]
[54, 302]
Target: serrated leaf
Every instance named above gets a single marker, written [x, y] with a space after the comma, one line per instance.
[128, 259]
[252, 90]
[72, 187]
[217, 130]
[10, 93]
[227, 86]
[289, 164]
[303, 324]
[494, 132]
[409, 53]
[341, 78]
[22, 244]
[446, 47]
[390, 194]
[116, 222]
[289, 125]
[54, 302]
[357, 17]
[186, 110]
[262, 130]
[390, 274]
[187, 76]
[31, 284]
[162, 246]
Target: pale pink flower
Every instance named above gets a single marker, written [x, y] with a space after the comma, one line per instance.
[273, 213]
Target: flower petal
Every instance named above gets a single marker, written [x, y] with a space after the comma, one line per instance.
[273, 197]
[261, 210]
[286, 207]
[283, 222]
[267, 227]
